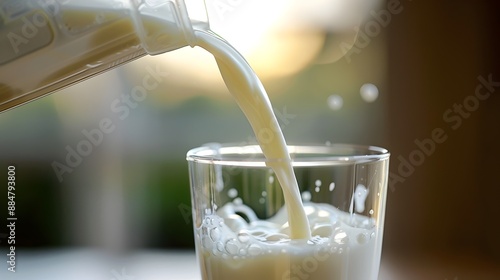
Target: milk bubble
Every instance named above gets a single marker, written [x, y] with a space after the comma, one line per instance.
[220, 246]
[306, 196]
[322, 230]
[254, 250]
[215, 234]
[238, 201]
[232, 193]
[243, 237]
[231, 247]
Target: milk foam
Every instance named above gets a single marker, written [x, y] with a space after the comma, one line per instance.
[341, 247]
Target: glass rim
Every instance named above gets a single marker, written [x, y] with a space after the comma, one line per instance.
[301, 155]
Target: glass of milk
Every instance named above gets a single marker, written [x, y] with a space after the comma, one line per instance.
[241, 221]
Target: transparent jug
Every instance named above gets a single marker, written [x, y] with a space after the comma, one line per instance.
[46, 45]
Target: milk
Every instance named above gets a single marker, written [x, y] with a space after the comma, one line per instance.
[342, 248]
[251, 96]
[311, 241]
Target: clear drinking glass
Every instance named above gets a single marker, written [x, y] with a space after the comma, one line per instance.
[240, 225]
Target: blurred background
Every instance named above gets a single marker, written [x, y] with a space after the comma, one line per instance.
[388, 73]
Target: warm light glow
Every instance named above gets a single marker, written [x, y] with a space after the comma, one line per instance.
[283, 54]
[278, 38]
[244, 23]
[331, 15]
[258, 30]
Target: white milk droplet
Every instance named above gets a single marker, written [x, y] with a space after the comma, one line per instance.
[243, 252]
[231, 247]
[232, 193]
[306, 196]
[243, 237]
[271, 179]
[238, 201]
[369, 92]
[317, 183]
[332, 186]
[254, 249]
[371, 212]
[215, 234]
[220, 246]
[360, 196]
[335, 102]
[262, 200]
[316, 189]
[264, 193]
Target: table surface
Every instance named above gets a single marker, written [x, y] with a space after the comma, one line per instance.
[82, 264]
